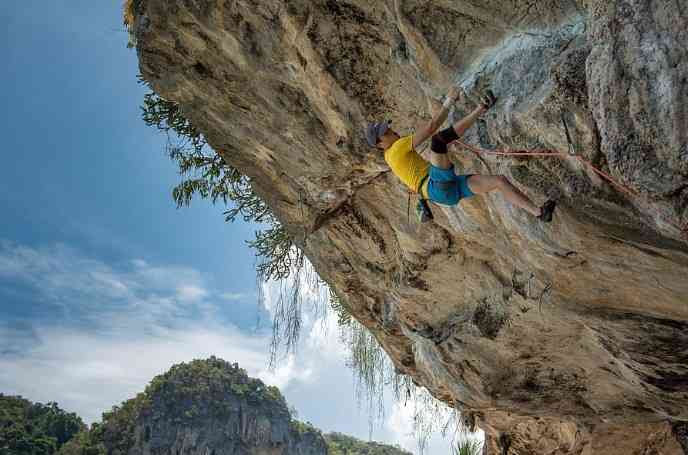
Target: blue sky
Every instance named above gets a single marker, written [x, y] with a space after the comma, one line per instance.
[103, 281]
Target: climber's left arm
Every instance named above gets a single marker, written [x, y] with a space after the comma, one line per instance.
[425, 132]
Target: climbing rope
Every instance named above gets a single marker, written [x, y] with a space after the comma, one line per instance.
[552, 153]
[572, 154]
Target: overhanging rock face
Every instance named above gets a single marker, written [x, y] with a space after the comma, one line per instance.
[563, 338]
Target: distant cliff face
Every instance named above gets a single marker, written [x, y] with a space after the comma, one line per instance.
[553, 338]
[209, 407]
[206, 407]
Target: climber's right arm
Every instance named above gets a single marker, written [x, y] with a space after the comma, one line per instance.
[425, 132]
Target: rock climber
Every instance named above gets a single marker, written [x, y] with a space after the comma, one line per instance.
[436, 181]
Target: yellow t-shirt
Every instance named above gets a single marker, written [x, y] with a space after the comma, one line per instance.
[406, 163]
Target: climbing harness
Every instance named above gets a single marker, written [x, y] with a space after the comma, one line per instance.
[571, 154]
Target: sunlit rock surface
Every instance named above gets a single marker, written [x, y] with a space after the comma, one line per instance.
[563, 338]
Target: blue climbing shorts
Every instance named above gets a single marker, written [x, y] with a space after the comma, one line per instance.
[447, 188]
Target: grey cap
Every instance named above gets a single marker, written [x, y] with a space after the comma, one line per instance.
[375, 130]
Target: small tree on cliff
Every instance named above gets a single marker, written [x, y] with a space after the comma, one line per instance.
[468, 446]
[206, 174]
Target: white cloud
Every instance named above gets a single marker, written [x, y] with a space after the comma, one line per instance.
[190, 293]
[323, 337]
[139, 263]
[91, 289]
[89, 372]
[106, 280]
[234, 296]
[400, 424]
[145, 318]
[141, 319]
[287, 371]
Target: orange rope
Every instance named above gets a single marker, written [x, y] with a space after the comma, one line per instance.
[625, 189]
[609, 178]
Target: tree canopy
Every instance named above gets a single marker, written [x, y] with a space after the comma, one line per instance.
[341, 444]
[33, 428]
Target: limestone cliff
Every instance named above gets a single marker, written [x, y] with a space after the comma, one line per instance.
[557, 339]
[205, 407]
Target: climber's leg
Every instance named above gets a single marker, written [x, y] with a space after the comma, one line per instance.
[438, 148]
[481, 184]
[465, 123]
[440, 141]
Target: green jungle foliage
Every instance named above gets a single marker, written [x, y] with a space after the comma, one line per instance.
[209, 381]
[303, 427]
[188, 391]
[468, 447]
[85, 443]
[207, 175]
[34, 429]
[340, 444]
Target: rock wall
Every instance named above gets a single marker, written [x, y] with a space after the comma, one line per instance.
[206, 407]
[563, 338]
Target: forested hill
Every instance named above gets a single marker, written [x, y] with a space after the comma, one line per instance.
[341, 444]
[34, 428]
[198, 408]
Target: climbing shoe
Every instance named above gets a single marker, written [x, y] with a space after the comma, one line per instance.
[488, 99]
[547, 211]
[423, 211]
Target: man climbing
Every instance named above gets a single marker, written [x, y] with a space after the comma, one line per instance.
[436, 180]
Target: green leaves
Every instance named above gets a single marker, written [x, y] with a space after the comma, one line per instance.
[281, 256]
[206, 174]
[34, 429]
[340, 444]
[303, 427]
[468, 446]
